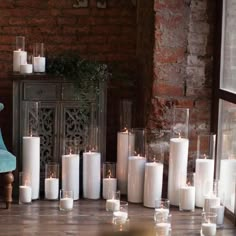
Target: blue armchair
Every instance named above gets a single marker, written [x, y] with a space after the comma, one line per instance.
[7, 165]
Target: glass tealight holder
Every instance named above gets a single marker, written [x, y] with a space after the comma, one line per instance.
[208, 227]
[187, 194]
[66, 200]
[113, 201]
[51, 181]
[162, 206]
[25, 190]
[163, 224]
[26, 66]
[120, 216]
[109, 179]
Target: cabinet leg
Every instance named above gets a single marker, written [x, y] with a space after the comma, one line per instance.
[8, 180]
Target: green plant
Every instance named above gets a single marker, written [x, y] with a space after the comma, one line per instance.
[84, 74]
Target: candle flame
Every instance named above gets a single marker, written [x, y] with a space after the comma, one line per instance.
[109, 173]
[205, 156]
[188, 183]
[179, 135]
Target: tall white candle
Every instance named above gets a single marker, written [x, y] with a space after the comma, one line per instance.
[109, 185]
[227, 181]
[25, 194]
[31, 162]
[39, 64]
[19, 57]
[122, 159]
[187, 198]
[203, 179]
[70, 174]
[91, 175]
[178, 160]
[152, 183]
[136, 167]
[51, 188]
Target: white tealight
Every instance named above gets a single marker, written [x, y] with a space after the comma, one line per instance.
[120, 217]
[208, 229]
[25, 194]
[26, 69]
[163, 228]
[66, 203]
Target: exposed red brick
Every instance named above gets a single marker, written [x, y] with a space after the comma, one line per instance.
[163, 89]
[66, 20]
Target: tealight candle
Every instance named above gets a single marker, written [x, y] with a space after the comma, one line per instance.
[208, 229]
[25, 194]
[112, 205]
[163, 228]
[66, 203]
[51, 188]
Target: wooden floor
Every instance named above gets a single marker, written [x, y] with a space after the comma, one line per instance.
[90, 218]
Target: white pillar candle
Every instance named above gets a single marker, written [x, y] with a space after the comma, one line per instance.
[219, 210]
[70, 174]
[112, 205]
[211, 201]
[152, 183]
[187, 198]
[178, 160]
[26, 69]
[19, 57]
[31, 162]
[51, 188]
[66, 203]
[120, 216]
[109, 185]
[208, 229]
[39, 64]
[122, 159]
[204, 177]
[91, 175]
[136, 167]
[25, 194]
[227, 181]
[163, 228]
[232, 202]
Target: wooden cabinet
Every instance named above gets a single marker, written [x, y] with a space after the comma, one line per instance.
[63, 115]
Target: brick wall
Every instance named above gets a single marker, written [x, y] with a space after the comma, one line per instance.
[102, 34]
[183, 50]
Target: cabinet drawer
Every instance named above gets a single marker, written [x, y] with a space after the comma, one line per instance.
[69, 92]
[41, 91]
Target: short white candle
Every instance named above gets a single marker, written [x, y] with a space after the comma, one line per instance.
[209, 229]
[204, 177]
[109, 185]
[112, 205]
[177, 167]
[19, 57]
[39, 64]
[25, 194]
[26, 69]
[136, 168]
[123, 139]
[66, 203]
[163, 228]
[31, 162]
[219, 210]
[51, 188]
[91, 175]
[70, 174]
[211, 201]
[152, 183]
[120, 216]
[187, 198]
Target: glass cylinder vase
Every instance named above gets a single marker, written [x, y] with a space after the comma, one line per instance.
[109, 179]
[51, 181]
[19, 53]
[156, 148]
[178, 155]
[39, 60]
[92, 159]
[204, 166]
[136, 164]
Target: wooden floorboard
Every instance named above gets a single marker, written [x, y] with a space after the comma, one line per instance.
[90, 218]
